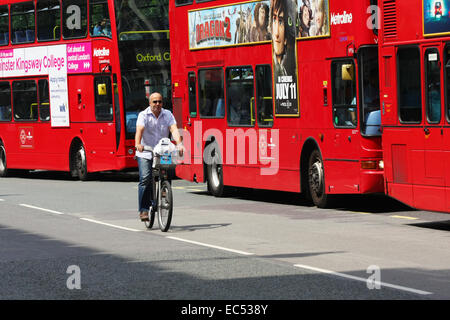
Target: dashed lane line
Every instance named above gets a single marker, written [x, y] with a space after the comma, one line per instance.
[404, 217]
[211, 246]
[41, 209]
[110, 225]
[84, 219]
[343, 275]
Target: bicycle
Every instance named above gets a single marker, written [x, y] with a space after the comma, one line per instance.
[162, 189]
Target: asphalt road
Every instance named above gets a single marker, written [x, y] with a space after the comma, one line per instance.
[66, 239]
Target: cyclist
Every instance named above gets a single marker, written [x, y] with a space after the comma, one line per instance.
[152, 124]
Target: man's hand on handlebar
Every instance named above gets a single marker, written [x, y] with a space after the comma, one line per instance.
[140, 147]
[180, 149]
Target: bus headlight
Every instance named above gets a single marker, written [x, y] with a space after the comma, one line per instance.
[372, 164]
[369, 165]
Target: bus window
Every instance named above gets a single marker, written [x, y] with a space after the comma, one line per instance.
[4, 25]
[48, 20]
[210, 93]
[447, 80]
[183, 2]
[433, 85]
[192, 95]
[99, 19]
[144, 62]
[74, 19]
[370, 91]
[22, 22]
[44, 100]
[344, 93]
[264, 96]
[409, 85]
[5, 101]
[240, 98]
[142, 19]
[25, 100]
[103, 98]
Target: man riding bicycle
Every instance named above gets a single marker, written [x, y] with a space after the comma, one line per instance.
[152, 124]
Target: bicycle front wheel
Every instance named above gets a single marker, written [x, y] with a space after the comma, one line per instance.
[165, 207]
[151, 219]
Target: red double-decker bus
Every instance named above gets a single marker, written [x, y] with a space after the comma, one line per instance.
[73, 77]
[415, 100]
[279, 95]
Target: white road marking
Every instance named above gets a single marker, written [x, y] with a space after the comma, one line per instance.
[343, 275]
[404, 217]
[212, 246]
[110, 225]
[41, 209]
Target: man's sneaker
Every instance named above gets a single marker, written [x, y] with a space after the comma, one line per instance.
[144, 216]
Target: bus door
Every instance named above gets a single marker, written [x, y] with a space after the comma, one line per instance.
[429, 182]
[189, 119]
[405, 142]
[446, 120]
[268, 141]
[103, 132]
[342, 160]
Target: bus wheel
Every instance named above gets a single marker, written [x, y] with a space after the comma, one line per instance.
[80, 163]
[214, 173]
[316, 180]
[3, 167]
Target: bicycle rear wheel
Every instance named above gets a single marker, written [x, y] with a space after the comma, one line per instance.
[165, 208]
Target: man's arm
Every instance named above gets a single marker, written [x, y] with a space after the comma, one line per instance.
[175, 134]
[177, 137]
[138, 138]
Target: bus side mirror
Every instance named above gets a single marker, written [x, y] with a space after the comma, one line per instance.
[348, 72]
[101, 89]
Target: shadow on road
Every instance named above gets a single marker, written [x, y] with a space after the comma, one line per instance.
[35, 266]
[199, 227]
[435, 225]
[370, 203]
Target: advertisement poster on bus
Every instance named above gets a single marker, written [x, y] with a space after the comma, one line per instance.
[313, 19]
[243, 23]
[249, 23]
[436, 17]
[45, 60]
[284, 57]
[59, 97]
[79, 57]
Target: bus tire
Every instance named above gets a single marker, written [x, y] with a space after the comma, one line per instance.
[316, 180]
[3, 165]
[214, 171]
[80, 163]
